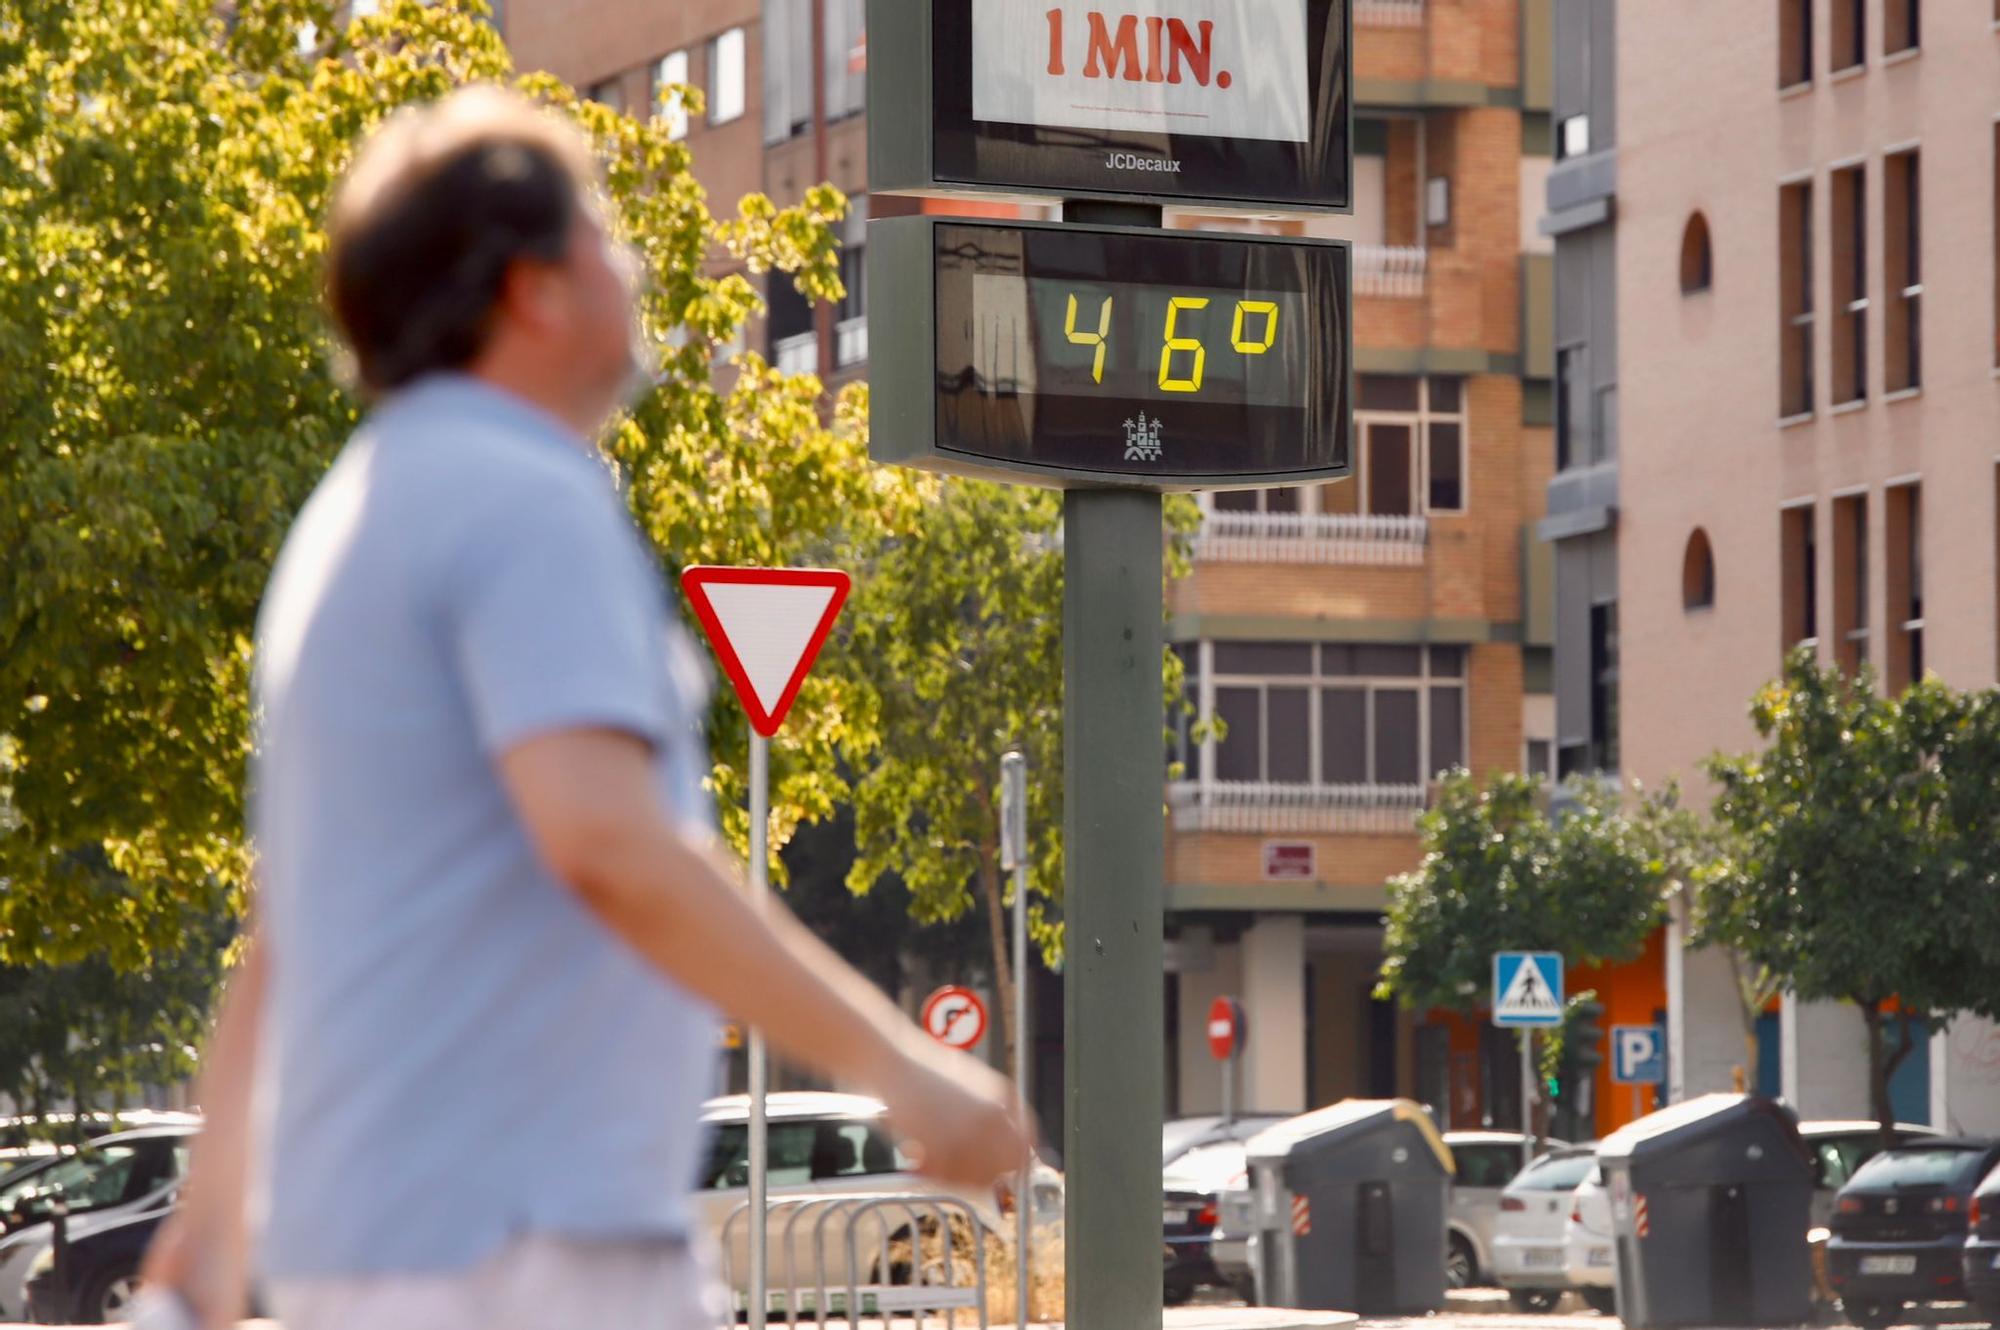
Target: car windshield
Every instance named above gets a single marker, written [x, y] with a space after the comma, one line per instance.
[1208, 1168]
[1557, 1173]
[90, 1179]
[1922, 1168]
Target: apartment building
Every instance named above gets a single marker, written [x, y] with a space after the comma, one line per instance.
[1778, 414]
[1359, 638]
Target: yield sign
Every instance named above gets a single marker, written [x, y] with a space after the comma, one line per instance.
[767, 626]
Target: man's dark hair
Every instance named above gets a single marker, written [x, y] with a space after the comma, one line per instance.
[439, 203]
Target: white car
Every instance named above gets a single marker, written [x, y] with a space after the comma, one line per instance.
[1528, 1254]
[1487, 1161]
[1589, 1247]
[112, 1176]
[824, 1144]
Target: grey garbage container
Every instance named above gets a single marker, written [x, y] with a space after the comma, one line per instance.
[1352, 1203]
[1711, 1200]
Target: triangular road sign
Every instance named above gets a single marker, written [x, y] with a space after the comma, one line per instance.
[767, 626]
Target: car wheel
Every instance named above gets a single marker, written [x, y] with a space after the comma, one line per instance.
[1603, 1301]
[1871, 1313]
[1461, 1267]
[110, 1295]
[1176, 1292]
[1540, 1301]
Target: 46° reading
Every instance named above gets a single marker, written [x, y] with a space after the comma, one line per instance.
[1246, 337]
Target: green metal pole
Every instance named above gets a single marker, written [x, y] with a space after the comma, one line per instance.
[1114, 1060]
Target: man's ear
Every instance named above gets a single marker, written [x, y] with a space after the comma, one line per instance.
[530, 296]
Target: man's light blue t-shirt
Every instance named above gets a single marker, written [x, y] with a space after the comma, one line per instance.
[458, 1051]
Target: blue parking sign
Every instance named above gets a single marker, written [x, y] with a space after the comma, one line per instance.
[1638, 1054]
[1527, 989]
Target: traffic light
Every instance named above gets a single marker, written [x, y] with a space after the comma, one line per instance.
[1576, 1071]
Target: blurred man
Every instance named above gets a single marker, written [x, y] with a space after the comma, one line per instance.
[490, 917]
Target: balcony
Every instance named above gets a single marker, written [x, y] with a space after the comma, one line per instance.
[798, 354]
[1323, 538]
[1260, 808]
[1389, 13]
[1395, 271]
[851, 341]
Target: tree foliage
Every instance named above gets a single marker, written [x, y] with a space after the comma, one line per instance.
[1867, 864]
[168, 397]
[1499, 873]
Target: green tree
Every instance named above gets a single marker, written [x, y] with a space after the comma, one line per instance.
[1867, 868]
[959, 624]
[1500, 874]
[168, 397]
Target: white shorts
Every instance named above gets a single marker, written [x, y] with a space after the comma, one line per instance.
[536, 1282]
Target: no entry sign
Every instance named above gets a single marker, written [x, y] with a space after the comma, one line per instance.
[955, 1017]
[1226, 1028]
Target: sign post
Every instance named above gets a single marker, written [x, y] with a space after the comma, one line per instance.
[1527, 996]
[766, 626]
[1227, 1033]
[1117, 361]
[1014, 859]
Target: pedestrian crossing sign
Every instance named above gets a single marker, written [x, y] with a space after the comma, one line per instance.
[1527, 989]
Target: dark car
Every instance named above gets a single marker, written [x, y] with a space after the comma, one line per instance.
[1899, 1228]
[92, 1277]
[1193, 1183]
[1982, 1249]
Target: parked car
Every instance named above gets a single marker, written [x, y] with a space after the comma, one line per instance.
[1839, 1149]
[1529, 1257]
[99, 1272]
[1899, 1228]
[1589, 1250]
[824, 1144]
[1487, 1162]
[1981, 1257]
[115, 1176]
[1206, 1210]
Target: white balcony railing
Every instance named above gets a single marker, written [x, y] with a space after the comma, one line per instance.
[798, 354]
[1268, 809]
[1327, 538]
[1389, 13]
[1390, 270]
[851, 341]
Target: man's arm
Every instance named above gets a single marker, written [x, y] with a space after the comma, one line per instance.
[592, 807]
[202, 1253]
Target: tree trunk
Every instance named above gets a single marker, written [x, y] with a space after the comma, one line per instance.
[1746, 1003]
[1882, 1065]
[996, 927]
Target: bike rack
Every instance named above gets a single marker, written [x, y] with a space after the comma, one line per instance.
[855, 1298]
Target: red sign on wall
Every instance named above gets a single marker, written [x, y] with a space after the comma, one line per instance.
[1290, 861]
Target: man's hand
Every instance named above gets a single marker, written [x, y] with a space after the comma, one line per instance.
[959, 1119]
[209, 1272]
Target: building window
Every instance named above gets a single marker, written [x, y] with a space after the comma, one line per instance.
[727, 77]
[1573, 445]
[1697, 257]
[1698, 573]
[1338, 713]
[1849, 34]
[1540, 763]
[1795, 42]
[608, 92]
[1799, 557]
[1903, 275]
[1412, 435]
[1604, 720]
[1573, 140]
[1850, 582]
[1902, 25]
[1284, 500]
[1795, 299]
[1903, 554]
[671, 70]
[1850, 284]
